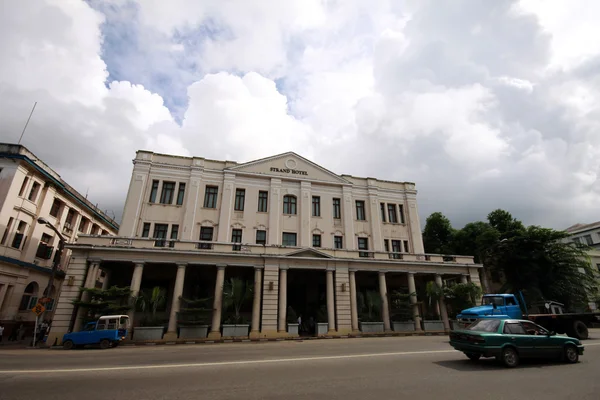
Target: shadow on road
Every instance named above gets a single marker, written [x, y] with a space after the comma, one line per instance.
[491, 364]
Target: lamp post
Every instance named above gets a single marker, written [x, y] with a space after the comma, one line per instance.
[57, 257]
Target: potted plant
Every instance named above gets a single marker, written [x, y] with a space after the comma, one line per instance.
[97, 302]
[151, 327]
[460, 296]
[322, 326]
[370, 312]
[402, 314]
[292, 321]
[193, 318]
[235, 293]
[433, 293]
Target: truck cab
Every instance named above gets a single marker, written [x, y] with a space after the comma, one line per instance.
[106, 331]
[492, 306]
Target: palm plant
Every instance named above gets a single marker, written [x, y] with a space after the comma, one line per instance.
[235, 293]
[371, 306]
[149, 302]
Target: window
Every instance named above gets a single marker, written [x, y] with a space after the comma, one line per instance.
[289, 239]
[316, 240]
[19, 238]
[29, 299]
[263, 201]
[360, 210]
[289, 204]
[23, 186]
[406, 246]
[382, 212]
[485, 325]
[533, 329]
[206, 234]
[386, 244]
[174, 234]
[55, 208]
[95, 229]
[83, 224]
[69, 219]
[166, 196]
[8, 226]
[146, 230]
[510, 301]
[180, 193]
[401, 208]
[35, 188]
[598, 267]
[316, 206]
[154, 191]
[240, 196]
[210, 197]
[393, 217]
[363, 244]
[160, 233]
[513, 328]
[337, 209]
[577, 240]
[261, 237]
[44, 251]
[396, 249]
[588, 240]
[236, 237]
[337, 242]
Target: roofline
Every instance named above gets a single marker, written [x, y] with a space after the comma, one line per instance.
[59, 273]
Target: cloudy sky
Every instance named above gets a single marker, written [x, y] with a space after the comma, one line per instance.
[484, 104]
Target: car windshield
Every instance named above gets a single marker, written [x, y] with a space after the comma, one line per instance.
[497, 300]
[485, 325]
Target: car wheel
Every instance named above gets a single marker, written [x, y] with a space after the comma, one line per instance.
[473, 356]
[510, 357]
[571, 354]
[104, 344]
[580, 330]
[68, 345]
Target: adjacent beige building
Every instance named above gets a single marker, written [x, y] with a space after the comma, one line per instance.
[310, 241]
[589, 235]
[29, 189]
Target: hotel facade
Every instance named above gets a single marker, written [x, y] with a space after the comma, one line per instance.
[309, 241]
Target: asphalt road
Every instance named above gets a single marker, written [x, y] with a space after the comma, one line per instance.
[377, 368]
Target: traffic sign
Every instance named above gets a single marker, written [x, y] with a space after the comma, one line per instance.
[38, 309]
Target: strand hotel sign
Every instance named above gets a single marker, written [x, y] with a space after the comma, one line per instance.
[290, 168]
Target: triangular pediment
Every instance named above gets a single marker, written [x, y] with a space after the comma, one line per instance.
[290, 166]
[312, 253]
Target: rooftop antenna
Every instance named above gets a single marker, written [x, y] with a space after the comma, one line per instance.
[86, 192]
[27, 123]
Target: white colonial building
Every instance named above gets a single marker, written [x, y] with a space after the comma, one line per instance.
[29, 190]
[310, 241]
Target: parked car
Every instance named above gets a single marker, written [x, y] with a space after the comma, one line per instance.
[108, 330]
[509, 340]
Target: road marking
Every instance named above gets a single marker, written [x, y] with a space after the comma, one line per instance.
[223, 363]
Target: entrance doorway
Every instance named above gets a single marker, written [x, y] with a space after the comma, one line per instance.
[307, 298]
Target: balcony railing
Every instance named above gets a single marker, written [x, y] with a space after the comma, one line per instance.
[269, 250]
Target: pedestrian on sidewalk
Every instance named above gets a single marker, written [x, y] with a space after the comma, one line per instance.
[1, 332]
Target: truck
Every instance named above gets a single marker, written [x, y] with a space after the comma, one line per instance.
[107, 331]
[548, 314]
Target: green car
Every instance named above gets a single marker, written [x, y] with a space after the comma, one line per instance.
[509, 340]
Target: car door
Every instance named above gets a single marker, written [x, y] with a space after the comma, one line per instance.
[543, 343]
[517, 336]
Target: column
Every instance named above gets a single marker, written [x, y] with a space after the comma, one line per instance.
[412, 288]
[348, 218]
[136, 281]
[384, 301]
[353, 306]
[255, 329]
[412, 218]
[270, 298]
[281, 327]
[330, 302]
[89, 283]
[443, 311]
[275, 211]
[463, 279]
[375, 217]
[215, 329]
[226, 208]
[175, 302]
[305, 207]
[106, 283]
[3, 290]
[343, 315]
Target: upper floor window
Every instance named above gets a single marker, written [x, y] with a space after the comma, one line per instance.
[406, 246]
[261, 237]
[146, 230]
[181, 194]
[393, 217]
[588, 240]
[154, 191]
[56, 206]
[289, 204]
[401, 208]
[360, 210]
[95, 229]
[210, 197]
[35, 188]
[83, 224]
[44, 250]
[363, 244]
[166, 196]
[70, 216]
[382, 205]
[8, 226]
[206, 235]
[316, 240]
[240, 197]
[338, 242]
[288, 239]
[337, 208]
[23, 186]
[396, 248]
[316, 206]
[236, 237]
[577, 240]
[19, 239]
[263, 201]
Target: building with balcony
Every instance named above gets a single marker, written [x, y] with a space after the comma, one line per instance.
[29, 189]
[329, 248]
[589, 235]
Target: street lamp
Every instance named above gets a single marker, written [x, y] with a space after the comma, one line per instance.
[56, 261]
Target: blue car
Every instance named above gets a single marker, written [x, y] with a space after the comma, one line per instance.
[108, 331]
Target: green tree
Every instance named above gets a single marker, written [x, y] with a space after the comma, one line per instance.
[236, 292]
[437, 235]
[148, 302]
[98, 302]
[506, 225]
[475, 239]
